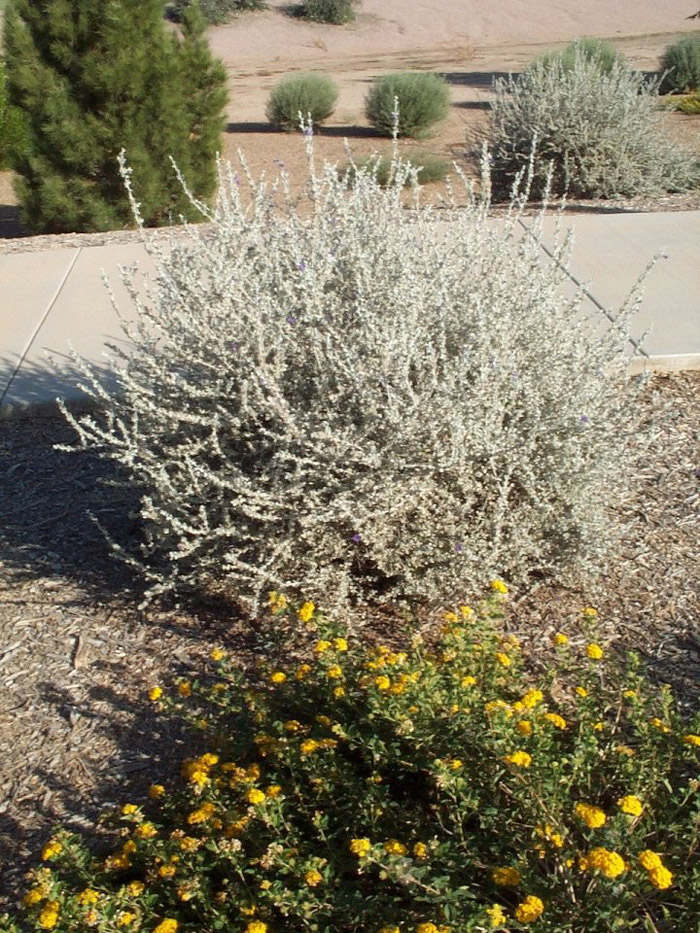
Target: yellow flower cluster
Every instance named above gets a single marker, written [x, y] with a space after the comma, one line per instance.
[394, 847]
[556, 720]
[529, 910]
[360, 847]
[166, 926]
[313, 878]
[560, 639]
[498, 586]
[33, 896]
[592, 816]
[48, 918]
[88, 897]
[691, 739]
[608, 863]
[196, 770]
[497, 917]
[631, 805]
[657, 873]
[256, 926]
[201, 814]
[594, 651]
[548, 833]
[51, 850]
[518, 759]
[532, 698]
[306, 611]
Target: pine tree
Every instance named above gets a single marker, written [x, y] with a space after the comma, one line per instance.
[204, 87]
[94, 76]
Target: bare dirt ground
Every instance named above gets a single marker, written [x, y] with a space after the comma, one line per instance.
[76, 657]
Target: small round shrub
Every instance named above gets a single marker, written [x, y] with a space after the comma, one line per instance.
[423, 100]
[680, 66]
[602, 133]
[313, 94]
[593, 50]
[215, 12]
[689, 105]
[337, 12]
[428, 166]
[418, 787]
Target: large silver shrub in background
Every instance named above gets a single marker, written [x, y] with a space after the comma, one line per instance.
[598, 126]
[356, 401]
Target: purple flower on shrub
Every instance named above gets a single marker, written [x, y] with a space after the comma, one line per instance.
[584, 419]
[302, 266]
[290, 319]
[459, 547]
[356, 538]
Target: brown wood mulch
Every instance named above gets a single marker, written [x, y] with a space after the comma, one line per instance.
[76, 657]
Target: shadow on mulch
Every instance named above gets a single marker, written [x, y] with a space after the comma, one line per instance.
[45, 527]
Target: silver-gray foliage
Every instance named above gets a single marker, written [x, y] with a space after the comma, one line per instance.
[357, 401]
[601, 131]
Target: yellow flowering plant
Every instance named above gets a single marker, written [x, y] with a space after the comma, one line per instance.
[414, 800]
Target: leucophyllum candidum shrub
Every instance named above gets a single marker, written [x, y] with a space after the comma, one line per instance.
[429, 787]
[362, 401]
[598, 128]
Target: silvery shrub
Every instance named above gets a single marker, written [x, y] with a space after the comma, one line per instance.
[365, 401]
[599, 129]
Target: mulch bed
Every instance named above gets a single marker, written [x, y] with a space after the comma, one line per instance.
[76, 656]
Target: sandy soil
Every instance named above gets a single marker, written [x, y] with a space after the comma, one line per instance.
[468, 41]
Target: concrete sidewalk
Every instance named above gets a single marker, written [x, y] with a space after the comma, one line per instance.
[54, 298]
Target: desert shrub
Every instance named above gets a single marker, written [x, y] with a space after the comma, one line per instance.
[592, 50]
[337, 12]
[423, 99]
[215, 11]
[345, 397]
[308, 94]
[429, 168]
[419, 787]
[680, 65]
[602, 133]
[13, 128]
[689, 104]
